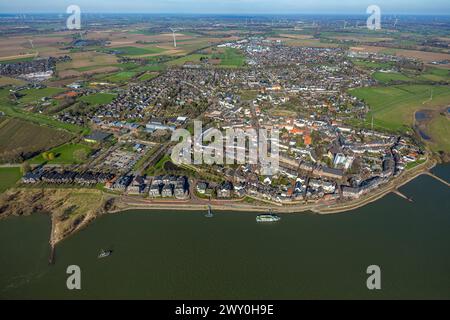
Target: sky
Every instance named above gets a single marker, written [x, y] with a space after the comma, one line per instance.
[228, 6]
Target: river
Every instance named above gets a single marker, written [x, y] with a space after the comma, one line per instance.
[183, 255]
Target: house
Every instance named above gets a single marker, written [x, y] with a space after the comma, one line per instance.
[201, 187]
[97, 137]
[167, 191]
[154, 191]
[180, 191]
[224, 190]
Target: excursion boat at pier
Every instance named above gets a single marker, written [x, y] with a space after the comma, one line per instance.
[268, 218]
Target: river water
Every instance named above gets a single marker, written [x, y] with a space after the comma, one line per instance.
[183, 255]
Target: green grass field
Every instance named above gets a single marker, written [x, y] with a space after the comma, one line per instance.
[393, 107]
[387, 77]
[11, 110]
[22, 137]
[189, 58]
[148, 76]
[121, 76]
[439, 126]
[232, 58]
[8, 178]
[17, 60]
[138, 51]
[98, 99]
[35, 95]
[63, 154]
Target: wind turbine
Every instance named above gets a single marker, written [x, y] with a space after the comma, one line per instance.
[174, 37]
[31, 43]
[395, 23]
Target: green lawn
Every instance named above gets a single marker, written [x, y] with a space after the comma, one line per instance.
[98, 99]
[393, 107]
[8, 178]
[63, 154]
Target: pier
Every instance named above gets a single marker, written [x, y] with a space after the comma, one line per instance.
[51, 259]
[437, 178]
[401, 195]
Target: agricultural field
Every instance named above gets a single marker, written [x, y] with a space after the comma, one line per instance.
[387, 77]
[9, 177]
[63, 155]
[139, 51]
[21, 139]
[227, 58]
[87, 63]
[6, 81]
[148, 76]
[393, 107]
[120, 77]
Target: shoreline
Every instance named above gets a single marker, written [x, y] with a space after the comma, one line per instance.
[129, 203]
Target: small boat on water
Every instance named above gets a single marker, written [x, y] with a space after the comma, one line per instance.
[209, 214]
[105, 254]
[271, 217]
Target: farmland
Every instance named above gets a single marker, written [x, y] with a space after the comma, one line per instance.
[21, 139]
[138, 51]
[393, 107]
[386, 77]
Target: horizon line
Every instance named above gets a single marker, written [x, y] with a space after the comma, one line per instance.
[232, 13]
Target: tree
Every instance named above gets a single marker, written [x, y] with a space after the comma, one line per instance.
[51, 156]
[45, 155]
[80, 155]
[25, 168]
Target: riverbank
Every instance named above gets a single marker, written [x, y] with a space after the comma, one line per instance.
[71, 210]
[319, 208]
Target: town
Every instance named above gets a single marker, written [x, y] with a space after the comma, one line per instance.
[326, 154]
